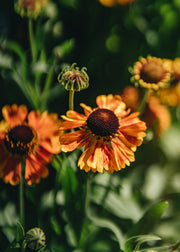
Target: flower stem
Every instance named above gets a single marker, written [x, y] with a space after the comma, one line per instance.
[71, 100]
[31, 39]
[21, 192]
[143, 101]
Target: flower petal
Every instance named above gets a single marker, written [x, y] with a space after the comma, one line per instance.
[73, 140]
[95, 157]
[69, 124]
[71, 114]
[123, 155]
[133, 126]
[14, 114]
[35, 170]
[87, 109]
[47, 127]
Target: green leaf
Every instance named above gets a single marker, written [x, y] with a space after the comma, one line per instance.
[108, 224]
[168, 248]
[149, 220]
[20, 233]
[133, 243]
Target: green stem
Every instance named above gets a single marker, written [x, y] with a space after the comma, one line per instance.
[21, 192]
[71, 100]
[31, 39]
[143, 101]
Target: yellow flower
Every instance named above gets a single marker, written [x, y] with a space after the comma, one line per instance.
[108, 3]
[151, 72]
[171, 94]
[109, 134]
[33, 135]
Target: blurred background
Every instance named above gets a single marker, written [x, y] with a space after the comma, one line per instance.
[106, 40]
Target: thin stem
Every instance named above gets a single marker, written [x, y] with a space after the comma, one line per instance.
[143, 101]
[31, 39]
[71, 100]
[21, 192]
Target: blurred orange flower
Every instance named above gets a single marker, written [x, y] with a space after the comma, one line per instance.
[33, 135]
[111, 3]
[123, 2]
[151, 72]
[108, 3]
[109, 134]
[155, 114]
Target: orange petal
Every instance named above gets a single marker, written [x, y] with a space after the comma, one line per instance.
[44, 123]
[71, 114]
[87, 109]
[85, 156]
[132, 126]
[95, 157]
[44, 154]
[35, 170]
[51, 145]
[123, 155]
[128, 140]
[71, 124]
[14, 114]
[12, 171]
[73, 140]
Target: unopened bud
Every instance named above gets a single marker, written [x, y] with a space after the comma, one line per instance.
[35, 239]
[74, 79]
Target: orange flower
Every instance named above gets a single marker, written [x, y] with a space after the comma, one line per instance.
[131, 96]
[108, 133]
[108, 3]
[33, 135]
[123, 2]
[151, 72]
[156, 116]
[111, 3]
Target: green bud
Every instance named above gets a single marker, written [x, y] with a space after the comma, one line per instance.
[35, 239]
[74, 79]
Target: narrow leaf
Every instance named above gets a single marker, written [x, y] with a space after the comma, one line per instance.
[133, 243]
[20, 232]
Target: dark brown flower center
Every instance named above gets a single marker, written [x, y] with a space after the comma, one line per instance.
[21, 140]
[152, 72]
[103, 122]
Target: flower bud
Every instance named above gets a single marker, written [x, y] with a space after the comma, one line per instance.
[74, 79]
[35, 239]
